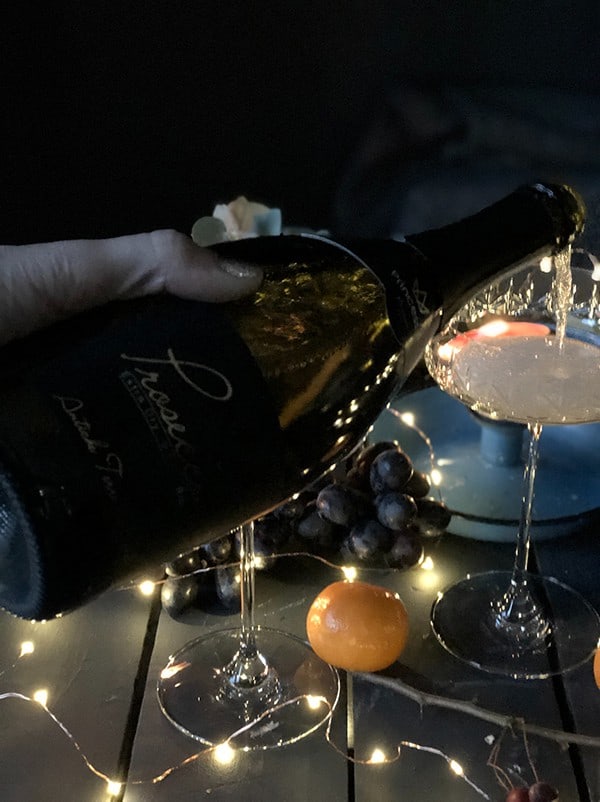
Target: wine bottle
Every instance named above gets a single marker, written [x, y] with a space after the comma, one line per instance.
[144, 428]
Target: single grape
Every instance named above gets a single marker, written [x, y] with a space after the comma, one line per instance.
[187, 563]
[265, 552]
[364, 458]
[316, 529]
[433, 517]
[390, 470]
[180, 595]
[368, 540]
[227, 585]
[273, 530]
[359, 474]
[542, 792]
[217, 551]
[293, 508]
[395, 510]
[209, 554]
[341, 504]
[418, 486]
[520, 794]
[406, 550]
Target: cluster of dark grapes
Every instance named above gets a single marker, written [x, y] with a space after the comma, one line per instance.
[377, 515]
[538, 792]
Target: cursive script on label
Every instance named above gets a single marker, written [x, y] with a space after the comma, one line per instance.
[74, 410]
[148, 373]
[108, 463]
[185, 369]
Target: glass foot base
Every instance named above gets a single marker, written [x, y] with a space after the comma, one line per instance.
[298, 694]
[547, 631]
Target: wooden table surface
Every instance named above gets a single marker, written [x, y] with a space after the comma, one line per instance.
[100, 665]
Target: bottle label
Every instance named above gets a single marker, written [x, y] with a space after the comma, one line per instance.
[149, 420]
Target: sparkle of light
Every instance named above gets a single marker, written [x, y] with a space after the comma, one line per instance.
[41, 697]
[446, 351]
[377, 756]
[174, 669]
[27, 647]
[408, 418]
[224, 754]
[427, 564]
[113, 787]
[436, 477]
[314, 702]
[349, 572]
[456, 768]
[146, 587]
[546, 264]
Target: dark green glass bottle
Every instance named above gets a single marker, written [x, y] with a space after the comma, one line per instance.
[139, 430]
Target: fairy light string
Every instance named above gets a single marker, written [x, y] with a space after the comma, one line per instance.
[114, 787]
[225, 751]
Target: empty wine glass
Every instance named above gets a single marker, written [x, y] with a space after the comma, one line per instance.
[251, 687]
[525, 350]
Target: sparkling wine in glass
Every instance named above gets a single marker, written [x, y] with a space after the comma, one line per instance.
[526, 350]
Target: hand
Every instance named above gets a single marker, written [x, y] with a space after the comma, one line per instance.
[43, 283]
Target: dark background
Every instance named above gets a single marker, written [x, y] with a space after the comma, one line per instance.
[358, 116]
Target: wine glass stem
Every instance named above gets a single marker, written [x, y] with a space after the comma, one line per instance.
[517, 614]
[248, 668]
[524, 532]
[247, 575]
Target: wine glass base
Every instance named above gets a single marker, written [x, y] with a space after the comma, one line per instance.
[558, 633]
[298, 694]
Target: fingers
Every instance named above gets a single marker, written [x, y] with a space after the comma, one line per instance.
[42, 283]
[198, 273]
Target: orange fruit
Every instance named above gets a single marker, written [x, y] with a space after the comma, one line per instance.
[357, 626]
[597, 667]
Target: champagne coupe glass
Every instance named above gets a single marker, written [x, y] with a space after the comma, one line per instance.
[525, 350]
[251, 687]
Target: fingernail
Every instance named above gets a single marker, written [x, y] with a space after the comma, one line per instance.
[240, 269]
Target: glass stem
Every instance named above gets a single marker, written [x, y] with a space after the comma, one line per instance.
[524, 533]
[248, 668]
[517, 614]
[247, 577]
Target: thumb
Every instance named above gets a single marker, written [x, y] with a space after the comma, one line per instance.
[189, 271]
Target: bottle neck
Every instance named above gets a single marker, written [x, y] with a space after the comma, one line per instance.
[532, 222]
[442, 268]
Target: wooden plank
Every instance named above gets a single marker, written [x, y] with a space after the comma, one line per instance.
[87, 661]
[575, 561]
[382, 717]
